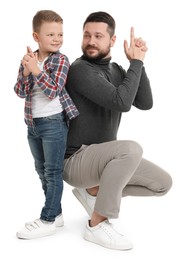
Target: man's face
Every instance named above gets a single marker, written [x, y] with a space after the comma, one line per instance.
[96, 41]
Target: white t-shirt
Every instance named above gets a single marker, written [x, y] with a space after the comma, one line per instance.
[42, 106]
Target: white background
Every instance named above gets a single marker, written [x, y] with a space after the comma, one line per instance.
[156, 226]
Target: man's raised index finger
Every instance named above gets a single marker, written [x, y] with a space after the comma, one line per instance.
[132, 34]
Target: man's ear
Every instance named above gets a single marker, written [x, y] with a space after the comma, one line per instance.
[35, 36]
[113, 39]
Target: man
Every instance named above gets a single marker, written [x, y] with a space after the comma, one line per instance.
[103, 169]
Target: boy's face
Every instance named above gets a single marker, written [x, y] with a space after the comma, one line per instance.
[50, 37]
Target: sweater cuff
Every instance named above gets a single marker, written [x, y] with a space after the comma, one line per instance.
[136, 62]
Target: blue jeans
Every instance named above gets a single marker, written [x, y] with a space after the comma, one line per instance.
[47, 141]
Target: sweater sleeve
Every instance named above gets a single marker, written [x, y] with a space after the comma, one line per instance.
[118, 92]
[144, 98]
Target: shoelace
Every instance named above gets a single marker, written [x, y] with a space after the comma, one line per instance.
[105, 227]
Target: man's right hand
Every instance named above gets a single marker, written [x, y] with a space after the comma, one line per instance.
[137, 48]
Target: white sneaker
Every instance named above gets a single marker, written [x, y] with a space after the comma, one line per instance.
[105, 235]
[87, 200]
[59, 221]
[36, 229]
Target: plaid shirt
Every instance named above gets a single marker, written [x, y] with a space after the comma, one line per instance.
[51, 81]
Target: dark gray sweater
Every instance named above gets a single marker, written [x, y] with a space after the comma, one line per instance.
[102, 90]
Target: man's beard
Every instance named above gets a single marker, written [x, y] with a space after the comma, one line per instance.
[99, 56]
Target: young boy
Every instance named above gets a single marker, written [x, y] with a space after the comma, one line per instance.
[48, 108]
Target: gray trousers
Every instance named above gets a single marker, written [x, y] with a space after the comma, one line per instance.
[119, 170]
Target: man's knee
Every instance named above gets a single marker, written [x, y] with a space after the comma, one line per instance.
[130, 148]
[166, 185]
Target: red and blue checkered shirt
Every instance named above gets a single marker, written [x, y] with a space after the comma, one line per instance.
[51, 81]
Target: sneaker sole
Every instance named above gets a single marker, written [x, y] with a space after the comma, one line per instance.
[94, 241]
[20, 236]
[82, 201]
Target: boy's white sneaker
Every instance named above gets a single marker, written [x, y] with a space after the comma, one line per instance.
[105, 235]
[87, 200]
[59, 221]
[36, 229]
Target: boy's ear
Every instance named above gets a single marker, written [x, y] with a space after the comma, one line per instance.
[35, 36]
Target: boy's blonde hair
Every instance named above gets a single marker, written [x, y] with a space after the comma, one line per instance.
[45, 16]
